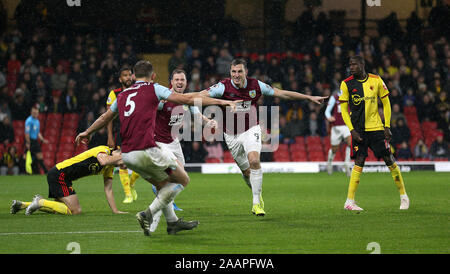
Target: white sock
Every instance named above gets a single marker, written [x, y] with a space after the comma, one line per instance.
[331, 155]
[349, 201]
[169, 213]
[247, 181]
[347, 155]
[256, 178]
[165, 196]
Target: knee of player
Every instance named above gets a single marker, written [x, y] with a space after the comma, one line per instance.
[359, 161]
[254, 162]
[185, 180]
[389, 160]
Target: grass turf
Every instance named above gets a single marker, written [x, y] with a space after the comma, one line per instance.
[304, 214]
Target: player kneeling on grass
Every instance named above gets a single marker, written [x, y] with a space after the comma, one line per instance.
[95, 161]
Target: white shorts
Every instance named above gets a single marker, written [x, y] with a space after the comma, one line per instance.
[241, 144]
[339, 134]
[175, 148]
[151, 163]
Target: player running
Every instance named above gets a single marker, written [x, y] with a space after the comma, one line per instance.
[360, 93]
[339, 133]
[169, 118]
[97, 160]
[137, 108]
[244, 137]
[114, 141]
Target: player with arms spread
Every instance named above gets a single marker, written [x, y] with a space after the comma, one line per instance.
[137, 108]
[360, 93]
[244, 137]
[97, 160]
[114, 140]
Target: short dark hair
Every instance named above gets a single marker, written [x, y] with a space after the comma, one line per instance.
[239, 61]
[177, 71]
[358, 59]
[124, 68]
[143, 68]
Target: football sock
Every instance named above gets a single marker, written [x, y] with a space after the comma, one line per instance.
[133, 178]
[331, 155]
[24, 205]
[354, 182]
[165, 196]
[169, 213]
[125, 180]
[347, 156]
[398, 179]
[54, 207]
[256, 180]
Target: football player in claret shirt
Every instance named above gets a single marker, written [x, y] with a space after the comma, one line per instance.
[137, 108]
[95, 161]
[114, 141]
[359, 94]
[169, 118]
[339, 133]
[243, 138]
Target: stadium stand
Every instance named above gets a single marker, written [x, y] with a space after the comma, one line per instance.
[316, 67]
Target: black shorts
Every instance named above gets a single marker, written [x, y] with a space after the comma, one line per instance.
[375, 140]
[35, 147]
[58, 185]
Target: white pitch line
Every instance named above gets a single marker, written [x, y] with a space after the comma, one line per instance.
[68, 232]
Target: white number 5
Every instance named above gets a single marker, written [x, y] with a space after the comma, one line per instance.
[131, 104]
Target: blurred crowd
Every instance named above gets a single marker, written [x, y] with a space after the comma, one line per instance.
[74, 72]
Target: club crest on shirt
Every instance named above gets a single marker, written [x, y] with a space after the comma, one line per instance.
[94, 168]
[252, 93]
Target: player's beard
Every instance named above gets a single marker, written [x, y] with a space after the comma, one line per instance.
[127, 84]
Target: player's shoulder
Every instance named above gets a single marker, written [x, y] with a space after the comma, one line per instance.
[374, 76]
[100, 149]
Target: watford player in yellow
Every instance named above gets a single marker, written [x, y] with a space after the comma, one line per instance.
[360, 92]
[95, 161]
[114, 141]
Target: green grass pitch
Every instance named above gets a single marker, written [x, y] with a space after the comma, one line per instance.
[304, 214]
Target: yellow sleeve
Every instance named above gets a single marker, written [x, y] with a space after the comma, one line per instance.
[346, 115]
[111, 98]
[343, 97]
[382, 89]
[386, 111]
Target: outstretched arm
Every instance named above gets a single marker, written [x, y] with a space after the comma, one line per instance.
[292, 95]
[199, 99]
[98, 124]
